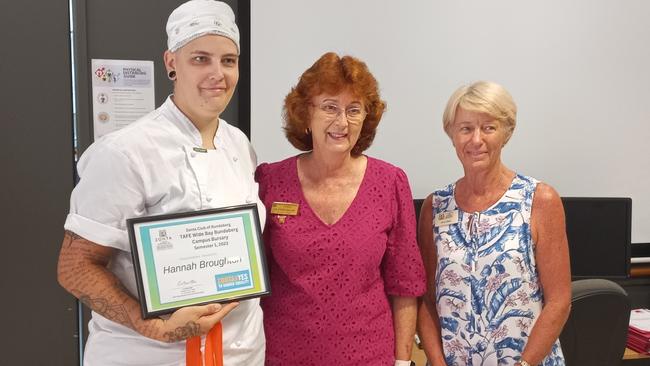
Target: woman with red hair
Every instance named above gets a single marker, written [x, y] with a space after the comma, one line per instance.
[345, 269]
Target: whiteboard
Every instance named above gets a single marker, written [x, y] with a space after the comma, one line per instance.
[578, 71]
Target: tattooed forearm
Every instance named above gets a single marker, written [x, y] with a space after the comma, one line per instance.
[82, 270]
[115, 312]
[190, 329]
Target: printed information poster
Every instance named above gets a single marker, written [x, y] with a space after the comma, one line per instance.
[123, 91]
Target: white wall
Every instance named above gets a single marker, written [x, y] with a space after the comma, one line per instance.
[578, 70]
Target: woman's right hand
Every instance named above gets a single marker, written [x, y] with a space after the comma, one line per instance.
[187, 322]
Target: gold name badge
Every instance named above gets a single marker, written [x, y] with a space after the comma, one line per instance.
[446, 218]
[284, 208]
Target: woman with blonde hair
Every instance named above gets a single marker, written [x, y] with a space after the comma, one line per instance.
[494, 247]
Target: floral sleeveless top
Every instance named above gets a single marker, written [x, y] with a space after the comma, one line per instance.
[488, 293]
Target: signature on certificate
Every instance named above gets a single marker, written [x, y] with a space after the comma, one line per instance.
[186, 283]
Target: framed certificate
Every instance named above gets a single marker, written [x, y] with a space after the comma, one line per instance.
[198, 257]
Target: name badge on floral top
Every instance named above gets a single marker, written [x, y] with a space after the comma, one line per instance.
[283, 209]
[446, 218]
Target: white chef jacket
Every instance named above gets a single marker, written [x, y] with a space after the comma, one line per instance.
[149, 168]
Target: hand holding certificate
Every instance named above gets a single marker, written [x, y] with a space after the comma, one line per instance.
[198, 257]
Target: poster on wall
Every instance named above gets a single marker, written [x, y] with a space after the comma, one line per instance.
[123, 91]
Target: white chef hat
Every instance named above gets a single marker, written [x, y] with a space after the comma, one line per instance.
[197, 18]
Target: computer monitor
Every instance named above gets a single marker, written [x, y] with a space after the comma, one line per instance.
[599, 231]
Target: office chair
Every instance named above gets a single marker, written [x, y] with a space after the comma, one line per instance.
[596, 331]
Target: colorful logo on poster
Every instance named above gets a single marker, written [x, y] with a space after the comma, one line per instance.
[106, 75]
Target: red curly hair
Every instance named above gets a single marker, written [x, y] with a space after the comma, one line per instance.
[332, 74]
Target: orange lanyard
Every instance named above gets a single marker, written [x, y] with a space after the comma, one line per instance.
[213, 349]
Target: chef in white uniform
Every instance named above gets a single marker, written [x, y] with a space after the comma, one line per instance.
[181, 157]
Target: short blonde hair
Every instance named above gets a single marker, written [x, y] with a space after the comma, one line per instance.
[482, 97]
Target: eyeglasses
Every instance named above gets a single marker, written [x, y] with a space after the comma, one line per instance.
[354, 114]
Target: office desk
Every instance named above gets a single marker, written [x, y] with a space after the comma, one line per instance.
[632, 358]
[640, 270]
[633, 355]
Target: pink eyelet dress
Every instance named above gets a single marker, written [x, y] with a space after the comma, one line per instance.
[330, 284]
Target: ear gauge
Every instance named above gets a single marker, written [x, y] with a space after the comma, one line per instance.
[171, 75]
